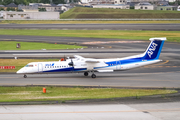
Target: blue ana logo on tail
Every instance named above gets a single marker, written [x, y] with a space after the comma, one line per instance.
[152, 48]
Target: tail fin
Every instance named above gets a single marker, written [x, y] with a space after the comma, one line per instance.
[154, 49]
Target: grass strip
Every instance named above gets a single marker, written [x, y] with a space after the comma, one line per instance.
[172, 36]
[19, 63]
[14, 94]
[101, 13]
[11, 45]
[84, 22]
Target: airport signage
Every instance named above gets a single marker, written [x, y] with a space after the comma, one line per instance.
[7, 67]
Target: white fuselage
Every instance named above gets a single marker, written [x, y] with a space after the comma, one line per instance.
[105, 65]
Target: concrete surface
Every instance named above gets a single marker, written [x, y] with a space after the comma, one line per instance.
[116, 111]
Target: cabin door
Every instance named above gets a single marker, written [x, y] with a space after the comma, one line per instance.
[40, 67]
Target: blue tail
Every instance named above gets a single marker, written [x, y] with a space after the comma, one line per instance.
[154, 49]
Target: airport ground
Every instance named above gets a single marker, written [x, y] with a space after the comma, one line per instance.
[96, 111]
[162, 75]
[129, 26]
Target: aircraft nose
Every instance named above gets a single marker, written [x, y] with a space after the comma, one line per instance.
[19, 71]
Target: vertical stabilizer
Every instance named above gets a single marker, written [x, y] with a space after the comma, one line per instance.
[154, 49]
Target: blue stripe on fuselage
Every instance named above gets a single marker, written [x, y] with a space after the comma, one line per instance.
[66, 69]
[126, 61]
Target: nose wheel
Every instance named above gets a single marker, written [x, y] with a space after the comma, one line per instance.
[25, 76]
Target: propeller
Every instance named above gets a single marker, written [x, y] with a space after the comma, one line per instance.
[71, 63]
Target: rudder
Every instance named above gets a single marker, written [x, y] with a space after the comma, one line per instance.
[154, 49]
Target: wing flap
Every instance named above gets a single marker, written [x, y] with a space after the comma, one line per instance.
[105, 70]
[92, 61]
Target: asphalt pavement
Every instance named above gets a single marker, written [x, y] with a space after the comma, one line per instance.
[163, 27]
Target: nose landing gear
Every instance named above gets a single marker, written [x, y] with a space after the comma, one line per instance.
[25, 76]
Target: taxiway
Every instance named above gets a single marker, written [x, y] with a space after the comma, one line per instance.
[167, 27]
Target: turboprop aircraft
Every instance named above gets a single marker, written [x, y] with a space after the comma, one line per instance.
[90, 65]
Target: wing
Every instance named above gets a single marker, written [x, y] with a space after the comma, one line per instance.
[87, 60]
[92, 61]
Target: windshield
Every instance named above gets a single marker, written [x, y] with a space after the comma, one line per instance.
[29, 66]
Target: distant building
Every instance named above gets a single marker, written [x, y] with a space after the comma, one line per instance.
[11, 5]
[30, 15]
[38, 4]
[132, 4]
[65, 7]
[96, 2]
[171, 0]
[2, 6]
[50, 8]
[178, 9]
[145, 0]
[24, 8]
[120, 6]
[85, 1]
[163, 3]
[120, 2]
[1, 14]
[145, 6]
[170, 8]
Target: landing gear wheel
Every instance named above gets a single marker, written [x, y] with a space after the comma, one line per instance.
[25, 76]
[85, 73]
[93, 76]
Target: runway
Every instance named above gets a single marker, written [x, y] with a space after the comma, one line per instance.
[145, 77]
[163, 27]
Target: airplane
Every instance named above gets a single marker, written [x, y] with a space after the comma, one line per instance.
[91, 65]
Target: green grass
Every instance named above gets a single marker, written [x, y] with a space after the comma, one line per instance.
[11, 45]
[82, 12]
[19, 63]
[13, 94]
[173, 36]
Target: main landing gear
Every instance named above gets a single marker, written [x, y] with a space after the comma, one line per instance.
[85, 73]
[25, 76]
[93, 75]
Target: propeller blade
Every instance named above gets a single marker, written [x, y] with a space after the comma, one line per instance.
[71, 63]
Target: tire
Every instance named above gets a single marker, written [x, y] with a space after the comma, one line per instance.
[85, 73]
[93, 76]
[25, 76]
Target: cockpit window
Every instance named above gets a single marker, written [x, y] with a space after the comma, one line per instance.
[29, 66]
